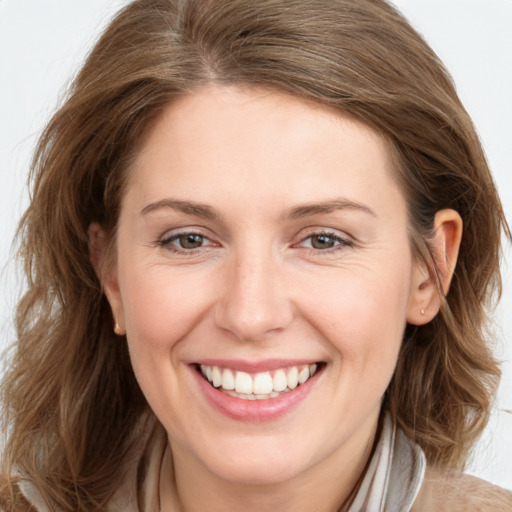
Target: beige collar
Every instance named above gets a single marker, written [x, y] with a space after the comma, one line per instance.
[395, 474]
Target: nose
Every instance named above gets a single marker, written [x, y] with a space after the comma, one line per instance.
[254, 301]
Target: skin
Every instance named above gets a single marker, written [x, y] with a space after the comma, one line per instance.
[259, 288]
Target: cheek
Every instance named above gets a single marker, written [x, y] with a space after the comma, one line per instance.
[362, 313]
[160, 309]
[160, 305]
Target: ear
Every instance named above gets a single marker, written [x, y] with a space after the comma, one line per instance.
[425, 299]
[107, 274]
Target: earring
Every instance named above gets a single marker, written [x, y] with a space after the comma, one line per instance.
[422, 312]
[117, 330]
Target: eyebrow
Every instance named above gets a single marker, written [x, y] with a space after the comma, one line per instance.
[188, 207]
[207, 212]
[327, 207]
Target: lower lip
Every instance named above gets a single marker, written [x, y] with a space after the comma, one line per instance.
[254, 411]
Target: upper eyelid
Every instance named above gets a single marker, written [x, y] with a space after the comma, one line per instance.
[328, 232]
[194, 230]
[335, 233]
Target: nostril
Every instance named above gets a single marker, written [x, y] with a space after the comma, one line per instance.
[255, 325]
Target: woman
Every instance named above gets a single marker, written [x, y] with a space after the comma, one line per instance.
[257, 276]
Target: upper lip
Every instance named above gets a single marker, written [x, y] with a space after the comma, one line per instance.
[255, 366]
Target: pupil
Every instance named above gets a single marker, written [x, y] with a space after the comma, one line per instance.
[191, 241]
[322, 242]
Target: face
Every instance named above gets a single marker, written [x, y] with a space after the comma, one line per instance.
[264, 278]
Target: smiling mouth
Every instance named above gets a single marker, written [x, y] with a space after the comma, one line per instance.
[258, 386]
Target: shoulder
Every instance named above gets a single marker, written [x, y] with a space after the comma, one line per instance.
[452, 491]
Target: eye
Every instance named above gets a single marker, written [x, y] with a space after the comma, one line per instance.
[324, 241]
[189, 240]
[184, 242]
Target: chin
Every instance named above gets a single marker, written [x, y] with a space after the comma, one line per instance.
[256, 467]
[258, 472]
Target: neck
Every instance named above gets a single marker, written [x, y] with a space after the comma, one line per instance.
[187, 485]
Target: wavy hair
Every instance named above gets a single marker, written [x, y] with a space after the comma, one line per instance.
[72, 404]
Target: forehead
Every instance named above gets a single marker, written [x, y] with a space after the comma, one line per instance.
[223, 142]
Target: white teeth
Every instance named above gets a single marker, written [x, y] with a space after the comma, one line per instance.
[228, 380]
[259, 386]
[303, 374]
[262, 384]
[293, 378]
[216, 377]
[243, 383]
[279, 381]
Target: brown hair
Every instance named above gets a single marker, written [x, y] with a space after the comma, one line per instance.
[72, 401]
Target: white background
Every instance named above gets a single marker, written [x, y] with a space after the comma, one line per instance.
[43, 42]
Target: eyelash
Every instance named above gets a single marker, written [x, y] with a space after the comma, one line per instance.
[339, 242]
